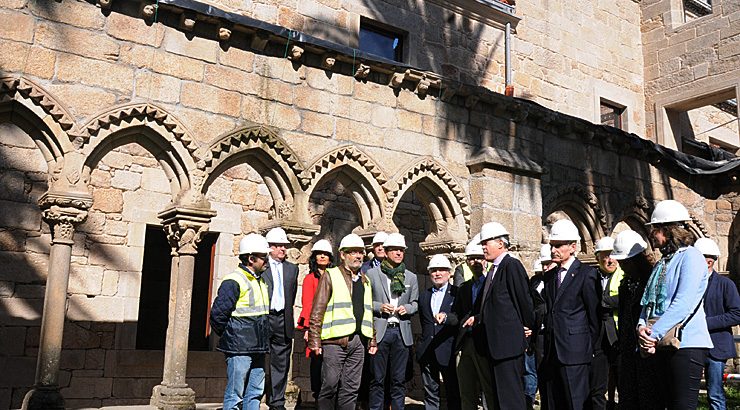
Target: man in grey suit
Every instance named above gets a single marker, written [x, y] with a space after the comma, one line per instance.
[281, 277]
[395, 301]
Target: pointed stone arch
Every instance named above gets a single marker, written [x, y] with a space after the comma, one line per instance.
[263, 150]
[583, 208]
[445, 202]
[40, 115]
[635, 216]
[359, 174]
[150, 126]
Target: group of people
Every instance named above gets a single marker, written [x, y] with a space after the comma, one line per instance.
[491, 335]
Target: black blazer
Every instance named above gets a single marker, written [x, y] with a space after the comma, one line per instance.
[437, 341]
[507, 309]
[290, 287]
[465, 308]
[572, 323]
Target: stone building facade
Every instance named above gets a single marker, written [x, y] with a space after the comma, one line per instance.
[140, 140]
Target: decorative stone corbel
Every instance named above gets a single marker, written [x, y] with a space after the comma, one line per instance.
[224, 34]
[148, 11]
[397, 79]
[187, 21]
[329, 61]
[362, 71]
[105, 4]
[296, 53]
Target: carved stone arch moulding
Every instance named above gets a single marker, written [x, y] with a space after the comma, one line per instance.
[171, 138]
[642, 209]
[581, 198]
[453, 195]
[280, 171]
[46, 107]
[372, 182]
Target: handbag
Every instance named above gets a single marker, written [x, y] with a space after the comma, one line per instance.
[672, 338]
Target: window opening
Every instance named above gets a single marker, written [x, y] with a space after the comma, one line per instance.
[381, 40]
[693, 9]
[612, 114]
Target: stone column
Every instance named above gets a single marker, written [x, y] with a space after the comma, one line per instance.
[184, 227]
[62, 212]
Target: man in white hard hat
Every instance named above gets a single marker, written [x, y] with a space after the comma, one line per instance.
[474, 260]
[534, 353]
[281, 278]
[438, 331]
[341, 326]
[603, 373]
[378, 252]
[239, 316]
[395, 301]
[571, 325]
[722, 307]
[506, 312]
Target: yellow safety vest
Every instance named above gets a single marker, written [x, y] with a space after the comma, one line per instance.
[339, 318]
[468, 273]
[614, 283]
[253, 297]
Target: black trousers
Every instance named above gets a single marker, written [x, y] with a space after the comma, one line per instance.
[680, 372]
[430, 372]
[392, 356]
[315, 373]
[281, 348]
[563, 386]
[507, 379]
[598, 381]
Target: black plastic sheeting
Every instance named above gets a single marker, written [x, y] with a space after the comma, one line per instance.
[296, 36]
[690, 164]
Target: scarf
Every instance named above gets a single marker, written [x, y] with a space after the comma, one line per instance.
[656, 293]
[397, 276]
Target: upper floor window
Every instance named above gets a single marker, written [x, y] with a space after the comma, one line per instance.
[694, 9]
[381, 40]
[612, 114]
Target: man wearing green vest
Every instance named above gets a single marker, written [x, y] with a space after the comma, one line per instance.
[604, 372]
[240, 317]
[341, 326]
[474, 260]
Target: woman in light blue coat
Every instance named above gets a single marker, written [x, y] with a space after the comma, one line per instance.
[673, 295]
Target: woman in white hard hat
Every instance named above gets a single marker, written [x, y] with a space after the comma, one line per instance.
[674, 297]
[637, 377]
[321, 258]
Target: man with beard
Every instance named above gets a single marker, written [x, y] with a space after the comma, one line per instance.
[395, 301]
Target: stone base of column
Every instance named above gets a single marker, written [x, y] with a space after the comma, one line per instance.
[173, 398]
[292, 393]
[43, 398]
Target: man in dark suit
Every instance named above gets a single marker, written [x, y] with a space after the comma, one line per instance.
[506, 313]
[438, 330]
[281, 277]
[572, 323]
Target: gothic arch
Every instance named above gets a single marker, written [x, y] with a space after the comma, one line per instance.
[264, 151]
[582, 207]
[152, 128]
[359, 174]
[39, 114]
[635, 216]
[445, 201]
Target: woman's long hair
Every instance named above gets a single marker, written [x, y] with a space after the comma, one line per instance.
[313, 267]
[677, 236]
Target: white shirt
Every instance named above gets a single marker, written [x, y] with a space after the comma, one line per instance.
[393, 301]
[438, 296]
[565, 266]
[277, 299]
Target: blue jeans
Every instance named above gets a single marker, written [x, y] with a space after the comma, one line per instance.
[245, 381]
[530, 376]
[713, 371]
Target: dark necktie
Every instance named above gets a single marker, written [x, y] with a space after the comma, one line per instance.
[561, 274]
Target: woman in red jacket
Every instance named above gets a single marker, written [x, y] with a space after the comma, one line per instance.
[321, 258]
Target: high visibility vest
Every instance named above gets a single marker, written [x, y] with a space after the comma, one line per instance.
[339, 318]
[468, 273]
[253, 297]
[614, 283]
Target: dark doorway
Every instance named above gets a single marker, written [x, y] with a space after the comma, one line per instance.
[151, 329]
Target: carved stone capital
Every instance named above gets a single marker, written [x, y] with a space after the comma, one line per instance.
[444, 246]
[184, 227]
[299, 233]
[62, 211]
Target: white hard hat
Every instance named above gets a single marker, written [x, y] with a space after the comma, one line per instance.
[379, 237]
[395, 240]
[628, 244]
[253, 243]
[439, 261]
[474, 248]
[492, 230]
[604, 244]
[707, 247]
[564, 230]
[322, 245]
[351, 241]
[537, 266]
[669, 211]
[545, 252]
[277, 236]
